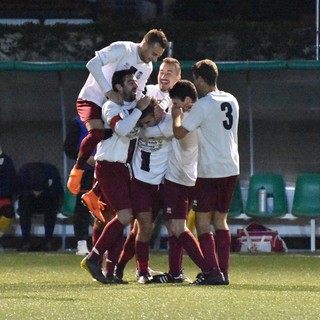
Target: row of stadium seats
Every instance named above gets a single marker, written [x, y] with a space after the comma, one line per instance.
[306, 199]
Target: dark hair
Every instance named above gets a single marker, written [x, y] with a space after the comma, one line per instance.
[118, 77]
[156, 36]
[206, 69]
[183, 89]
[150, 108]
[174, 62]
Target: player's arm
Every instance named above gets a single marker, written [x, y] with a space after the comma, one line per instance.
[165, 103]
[179, 132]
[123, 122]
[107, 56]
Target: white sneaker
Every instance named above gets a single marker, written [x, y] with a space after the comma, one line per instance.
[154, 272]
[82, 248]
[144, 279]
[151, 272]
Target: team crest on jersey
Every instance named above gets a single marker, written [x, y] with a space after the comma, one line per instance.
[138, 75]
[133, 134]
[151, 144]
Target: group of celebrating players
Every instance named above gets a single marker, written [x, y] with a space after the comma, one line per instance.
[159, 149]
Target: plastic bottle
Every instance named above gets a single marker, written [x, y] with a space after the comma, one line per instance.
[262, 199]
[270, 202]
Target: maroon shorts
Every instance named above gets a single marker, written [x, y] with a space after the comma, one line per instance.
[146, 197]
[88, 110]
[213, 194]
[114, 180]
[177, 199]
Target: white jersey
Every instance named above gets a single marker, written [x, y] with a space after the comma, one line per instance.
[119, 55]
[125, 133]
[154, 146]
[183, 160]
[153, 90]
[216, 117]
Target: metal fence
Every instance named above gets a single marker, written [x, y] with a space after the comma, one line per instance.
[279, 112]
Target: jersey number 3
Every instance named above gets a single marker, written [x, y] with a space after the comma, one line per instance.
[227, 108]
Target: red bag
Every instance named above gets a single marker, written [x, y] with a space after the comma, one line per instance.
[258, 238]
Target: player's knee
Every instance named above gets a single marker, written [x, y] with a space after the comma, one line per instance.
[125, 216]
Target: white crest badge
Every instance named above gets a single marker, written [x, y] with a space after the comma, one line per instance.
[138, 75]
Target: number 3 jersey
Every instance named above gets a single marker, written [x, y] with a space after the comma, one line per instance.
[216, 118]
[151, 158]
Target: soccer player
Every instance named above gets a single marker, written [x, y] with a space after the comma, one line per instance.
[97, 89]
[215, 116]
[169, 73]
[76, 131]
[149, 167]
[113, 167]
[178, 187]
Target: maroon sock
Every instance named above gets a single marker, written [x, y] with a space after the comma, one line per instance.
[192, 247]
[87, 146]
[175, 256]
[208, 249]
[142, 254]
[111, 234]
[128, 250]
[96, 233]
[113, 256]
[223, 245]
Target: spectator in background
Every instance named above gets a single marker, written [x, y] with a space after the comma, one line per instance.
[39, 191]
[76, 132]
[7, 190]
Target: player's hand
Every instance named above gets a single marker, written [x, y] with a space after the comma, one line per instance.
[143, 103]
[158, 113]
[176, 112]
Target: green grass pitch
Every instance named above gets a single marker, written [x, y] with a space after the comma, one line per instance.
[263, 286]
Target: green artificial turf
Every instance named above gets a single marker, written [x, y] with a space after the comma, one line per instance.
[263, 286]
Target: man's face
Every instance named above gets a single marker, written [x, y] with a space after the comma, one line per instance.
[129, 90]
[184, 105]
[148, 121]
[167, 76]
[198, 84]
[150, 53]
